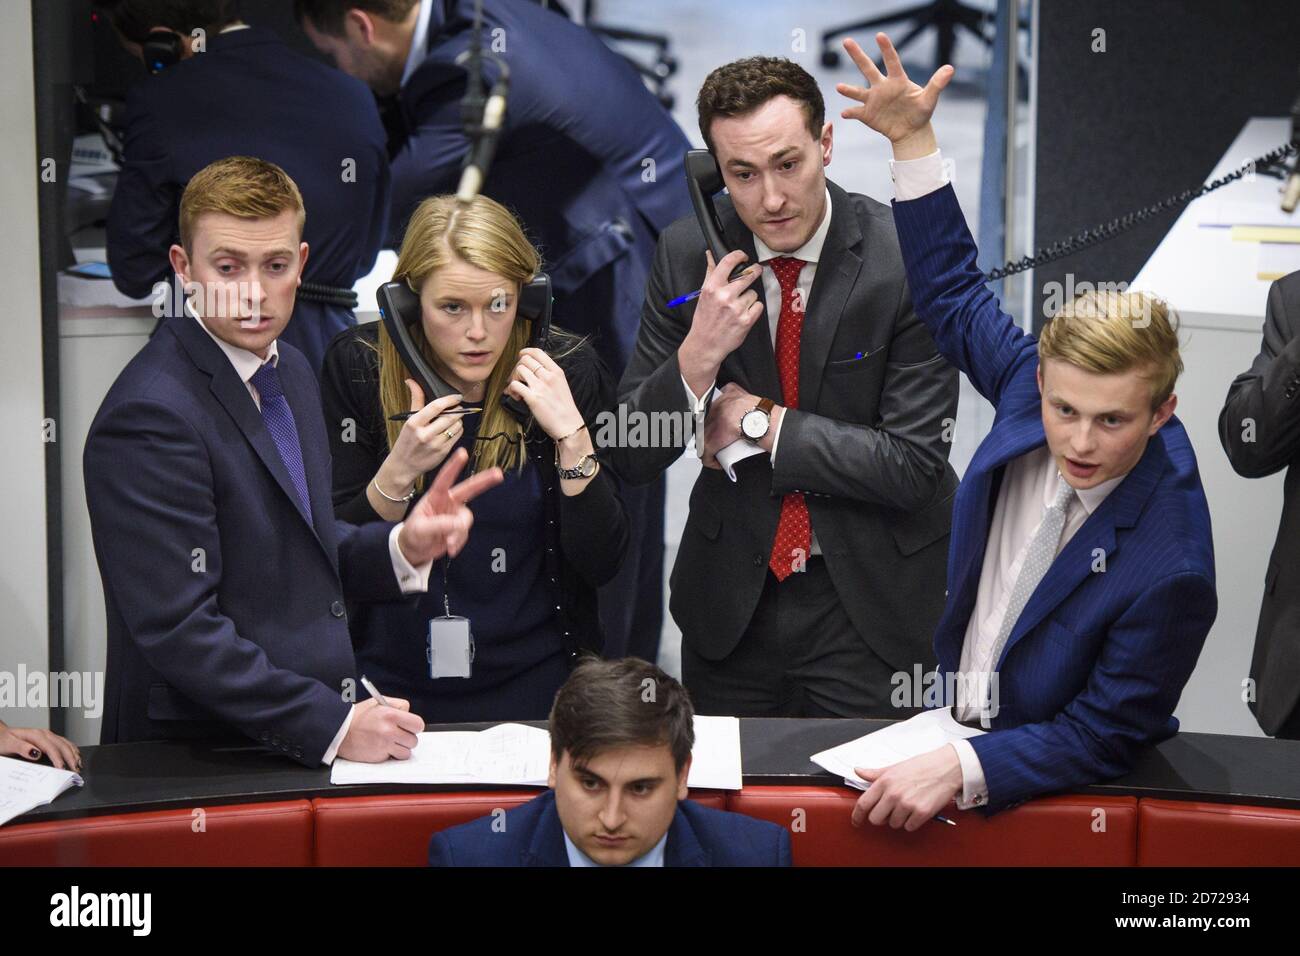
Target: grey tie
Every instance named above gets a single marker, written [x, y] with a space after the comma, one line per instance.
[1038, 558]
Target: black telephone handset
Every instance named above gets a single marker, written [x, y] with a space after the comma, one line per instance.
[399, 308]
[703, 181]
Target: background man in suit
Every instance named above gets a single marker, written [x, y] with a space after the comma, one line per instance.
[803, 585]
[1081, 570]
[242, 91]
[621, 739]
[594, 178]
[1260, 430]
[208, 483]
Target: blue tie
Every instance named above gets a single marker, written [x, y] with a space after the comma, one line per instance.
[278, 417]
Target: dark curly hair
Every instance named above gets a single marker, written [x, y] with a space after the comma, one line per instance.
[744, 85]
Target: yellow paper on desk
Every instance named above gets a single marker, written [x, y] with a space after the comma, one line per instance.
[1266, 233]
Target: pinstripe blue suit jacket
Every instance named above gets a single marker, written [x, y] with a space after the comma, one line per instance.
[1098, 658]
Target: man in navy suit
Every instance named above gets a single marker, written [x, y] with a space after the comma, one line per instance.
[242, 91]
[208, 483]
[621, 739]
[1081, 566]
[586, 158]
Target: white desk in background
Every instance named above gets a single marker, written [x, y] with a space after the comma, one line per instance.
[1210, 281]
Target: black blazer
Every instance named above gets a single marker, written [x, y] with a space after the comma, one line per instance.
[225, 604]
[868, 445]
[1267, 394]
[588, 532]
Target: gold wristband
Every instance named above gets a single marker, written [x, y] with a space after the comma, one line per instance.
[572, 433]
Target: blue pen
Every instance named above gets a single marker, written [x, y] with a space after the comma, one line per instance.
[683, 299]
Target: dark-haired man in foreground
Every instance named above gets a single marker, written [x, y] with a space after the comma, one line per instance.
[621, 738]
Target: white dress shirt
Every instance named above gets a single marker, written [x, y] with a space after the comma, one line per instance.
[810, 252]
[1028, 486]
[419, 40]
[410, 578]
[652, 857]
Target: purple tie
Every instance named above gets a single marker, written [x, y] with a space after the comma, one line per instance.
[278, 417]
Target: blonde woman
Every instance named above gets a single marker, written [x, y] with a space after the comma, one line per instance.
[542, 542]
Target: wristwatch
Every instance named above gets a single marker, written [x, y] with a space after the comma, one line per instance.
[757, 420]
[585, 468]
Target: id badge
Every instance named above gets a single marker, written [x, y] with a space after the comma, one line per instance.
[451, 647]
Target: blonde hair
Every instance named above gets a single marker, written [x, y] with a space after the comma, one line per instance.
[242, 186]
[486, 235]
[1108, 331]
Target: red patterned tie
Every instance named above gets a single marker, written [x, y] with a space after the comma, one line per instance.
[794, 530]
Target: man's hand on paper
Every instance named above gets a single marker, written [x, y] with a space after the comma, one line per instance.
[909, 793]
[722, 426]
[377, 732]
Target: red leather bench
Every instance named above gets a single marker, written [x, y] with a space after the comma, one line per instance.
[1188, 833]
[250, 834]
[1051, 831]
[394, 830]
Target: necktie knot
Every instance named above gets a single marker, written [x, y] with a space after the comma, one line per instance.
[786, 269]
[1063, 493]
[267, 381]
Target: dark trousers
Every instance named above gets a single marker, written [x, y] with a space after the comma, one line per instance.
[799, 657]
[632, 604]
[1290, 729]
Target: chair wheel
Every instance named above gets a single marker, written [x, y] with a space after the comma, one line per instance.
[830, 58]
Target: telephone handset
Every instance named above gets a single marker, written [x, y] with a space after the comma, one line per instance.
[399, 308]
[703, 181]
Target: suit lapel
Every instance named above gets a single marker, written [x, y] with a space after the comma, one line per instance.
[232, 393]
[547, 846]
[837, 272]
[683, 847]
[755, 354]
[1009, 439]
[1097, 534]
[315, 458]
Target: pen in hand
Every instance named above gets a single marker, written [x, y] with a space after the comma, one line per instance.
[403, 416]
[373, 691]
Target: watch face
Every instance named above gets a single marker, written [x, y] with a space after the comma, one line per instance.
[754, 424]
[588, 466]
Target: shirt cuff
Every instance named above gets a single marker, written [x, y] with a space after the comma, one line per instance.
[914, 178]
[698, 406]
[776, 437]
[974, 790]
[411, 579]
[338, 738]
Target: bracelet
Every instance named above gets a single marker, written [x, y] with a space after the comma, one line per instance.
[397, 501]
[572, 433]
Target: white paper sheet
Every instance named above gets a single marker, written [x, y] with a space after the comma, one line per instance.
[928, 730]
[25, 786]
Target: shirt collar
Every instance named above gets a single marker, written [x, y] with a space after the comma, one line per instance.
[233, 27]
[811, 250]
[652, 857]
[246, 363]
[1090, 498]
[419, 40]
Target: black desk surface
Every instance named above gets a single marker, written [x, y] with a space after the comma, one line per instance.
[127, 778]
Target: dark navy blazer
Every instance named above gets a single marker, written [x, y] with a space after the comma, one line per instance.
[587, 158]
[532, 836]
[225, 604]
[251, 94]
[1098, 658]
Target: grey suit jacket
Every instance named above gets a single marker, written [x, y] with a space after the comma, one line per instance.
[868, 445]
[1268, 395]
